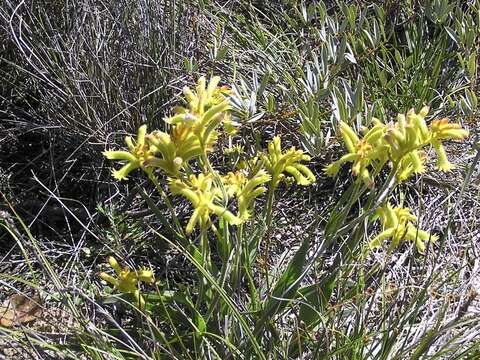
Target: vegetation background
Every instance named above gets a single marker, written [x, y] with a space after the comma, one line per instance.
[77, 76]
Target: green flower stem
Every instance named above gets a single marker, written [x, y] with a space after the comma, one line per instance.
[165, 198]
[242, 266]
[208, 169]
[177, 338]
[269, 208]
[371, 205]
[225, 240]
[266, 235]
[204, 291]
[236, 275]
[247, 267]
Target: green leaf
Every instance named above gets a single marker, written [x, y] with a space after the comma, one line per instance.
[286, 287]
[160, 216]
[315, 298]
[358, 97]
[200, 324]
[398, 58]
[270, 103]
[222, 51]
[340, 107]
[263, 83]
[452, 34]
[471, 99]
[472, 65]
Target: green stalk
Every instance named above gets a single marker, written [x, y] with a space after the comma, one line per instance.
[268, 223]
[208, 169]
[236, 275]
[204, 291]
[165, 198]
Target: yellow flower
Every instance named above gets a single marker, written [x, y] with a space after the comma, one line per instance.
[443, 130]
[127, 281]
[233, 182]
[207, 108]
[400, 142]
[250, 191]
[203, 195]
[397, 226]
[361, 152]
[169, 162]
[411, 163]
[405, 137]
[139, 151]
[410, 134]
[277, 163]
[246, 189]
[176, 149]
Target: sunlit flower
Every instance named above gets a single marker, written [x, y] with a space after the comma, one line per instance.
[400, 143]
[246, 189]
[397, 226]
[127, 281]
[174, 150]
[443, 130]
[361, 152]
[207, 108]
[252, 189]
[204, 197]
[233, 182]
[138, 152]
[279, 163]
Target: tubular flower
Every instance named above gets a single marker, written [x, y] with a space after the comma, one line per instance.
[411, 163]
[361, 152]
[187, 144]
[169, 162]
[138, 152]
[127, 281]
[206, 109]
[410, 134]
[277, 163]
[246, 190]
[176, 149]
[250, 191]
[233, 182]
[443, 130]
[405, 138]
[400, 142]
[203, 196]
[397, 226]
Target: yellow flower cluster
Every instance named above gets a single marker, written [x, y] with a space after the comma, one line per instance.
[127, 281]
[397, 226]
[279, 163]
[246, 189]
[399, 143]
[138, 152]
[193, 134]
[203, 196]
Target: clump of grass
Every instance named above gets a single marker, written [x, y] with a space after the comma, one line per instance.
[92, 67]
[73, 75]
